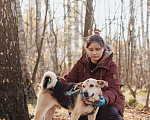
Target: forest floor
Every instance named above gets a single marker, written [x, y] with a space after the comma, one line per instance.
[129, 114]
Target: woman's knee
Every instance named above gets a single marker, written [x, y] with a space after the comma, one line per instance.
[108, 113]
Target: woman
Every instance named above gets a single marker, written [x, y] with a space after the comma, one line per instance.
[98, 63]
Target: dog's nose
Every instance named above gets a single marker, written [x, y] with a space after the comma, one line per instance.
[85, 93]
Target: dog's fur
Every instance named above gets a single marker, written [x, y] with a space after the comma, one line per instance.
[53, 95]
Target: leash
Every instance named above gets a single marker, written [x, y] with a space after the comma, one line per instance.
[72, 91]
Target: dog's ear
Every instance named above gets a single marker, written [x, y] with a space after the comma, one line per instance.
[79, 85]
[102, 83]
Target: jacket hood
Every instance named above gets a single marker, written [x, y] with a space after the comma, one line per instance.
[104, 61]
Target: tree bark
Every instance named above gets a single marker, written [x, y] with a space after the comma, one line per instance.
[53, 43]
[40, 47]
[30, 93]
[65, 34]
[38, 37]
[76, 36]
[69, 50]
[148, 47]
[13, 104]
[88, 22]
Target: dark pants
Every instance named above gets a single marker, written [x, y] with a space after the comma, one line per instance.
[106, 113]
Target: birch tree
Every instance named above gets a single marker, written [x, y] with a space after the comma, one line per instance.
[22, 43]
[38, 36]
[142, 24]
[142, 53]
[65, 33]
[38, 24]
[53, 41]
[40, 46]
[30, 39]
[69, 53]
[30, 93]
[76, 35]
[81, 18]
[30, 23]
[148, 52]
[131, 51]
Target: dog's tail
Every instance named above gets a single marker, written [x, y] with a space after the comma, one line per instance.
[48, 77]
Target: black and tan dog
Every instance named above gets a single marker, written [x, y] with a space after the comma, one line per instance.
[69, 96]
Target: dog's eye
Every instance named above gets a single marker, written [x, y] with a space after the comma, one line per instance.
[91, 85]
[83, 86]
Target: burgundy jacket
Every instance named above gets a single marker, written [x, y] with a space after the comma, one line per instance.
[106, 70]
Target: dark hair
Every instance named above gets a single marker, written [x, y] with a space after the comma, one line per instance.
[95, 38]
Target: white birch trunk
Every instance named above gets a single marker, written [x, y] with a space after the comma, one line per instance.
[142, 23]
[143, 52]
[69, 50]
[53, 42]
[148, 47]
[81, 19]
[76, 36]
[30, 23]
[22, 43]
[38, 23]
[65, 35]
[38, 36]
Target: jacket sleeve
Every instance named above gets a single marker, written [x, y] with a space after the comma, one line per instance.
[110, 93]
[72, 76]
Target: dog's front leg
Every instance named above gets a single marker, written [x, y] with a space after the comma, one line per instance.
[77, 111]
[75, 115]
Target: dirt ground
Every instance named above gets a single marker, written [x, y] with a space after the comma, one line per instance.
[129, 114]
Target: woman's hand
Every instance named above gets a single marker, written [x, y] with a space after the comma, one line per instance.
[101, 102]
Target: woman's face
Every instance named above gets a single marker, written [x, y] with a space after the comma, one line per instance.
[95, 51]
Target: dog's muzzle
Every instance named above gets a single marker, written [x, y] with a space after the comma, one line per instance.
[86, 95]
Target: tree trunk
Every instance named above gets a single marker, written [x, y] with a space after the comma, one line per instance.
[13, 104]
[131, 51]
[53, 43]
[142, 24]
[143, 53]
[30, 23]
[147, 23]
[76, 36]
[148, 47]
[69, 53]
[147, 99]
[88, 22]
[81, 21]
[38, 37]
[38, 24]
[30, 32]
[30, 93]
[40, 47]
[65, 34]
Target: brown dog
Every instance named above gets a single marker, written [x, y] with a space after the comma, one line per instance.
[69, 96]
